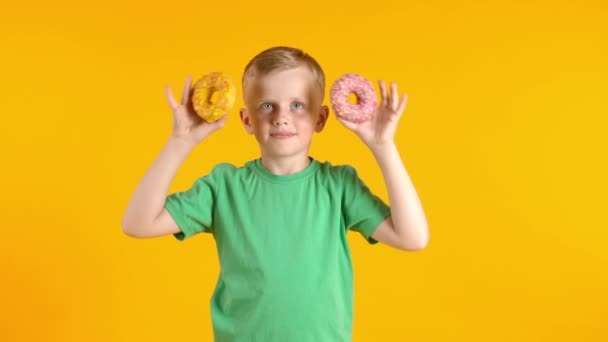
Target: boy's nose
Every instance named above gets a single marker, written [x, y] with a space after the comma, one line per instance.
[279, 121]
[280, 118]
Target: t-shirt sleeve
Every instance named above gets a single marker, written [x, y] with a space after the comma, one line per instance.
[192, 209]
[363, 211]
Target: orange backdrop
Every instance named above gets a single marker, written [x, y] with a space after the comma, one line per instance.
[502, 137]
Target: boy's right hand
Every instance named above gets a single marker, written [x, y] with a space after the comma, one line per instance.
[187, 125]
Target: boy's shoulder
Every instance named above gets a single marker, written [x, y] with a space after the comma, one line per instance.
[340, 170]
[337, 167]
[224, 167]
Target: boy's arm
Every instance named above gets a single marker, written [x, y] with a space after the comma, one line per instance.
[407, 227]
[145, 215]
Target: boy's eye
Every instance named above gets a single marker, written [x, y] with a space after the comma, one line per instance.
[298, 105]
[266, 106]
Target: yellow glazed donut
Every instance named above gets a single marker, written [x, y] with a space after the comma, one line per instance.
[213, 96]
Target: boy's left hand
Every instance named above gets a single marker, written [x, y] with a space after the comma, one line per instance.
[380, 129]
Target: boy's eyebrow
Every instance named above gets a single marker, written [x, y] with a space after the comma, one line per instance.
[259, 102]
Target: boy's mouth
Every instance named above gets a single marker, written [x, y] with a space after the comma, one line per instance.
[282, 135]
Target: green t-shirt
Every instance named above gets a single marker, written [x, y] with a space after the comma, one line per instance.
[285, 264]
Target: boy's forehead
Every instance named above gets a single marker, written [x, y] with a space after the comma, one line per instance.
[295, 81]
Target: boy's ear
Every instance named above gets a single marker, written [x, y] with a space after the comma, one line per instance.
[246, 120]
[323, 115]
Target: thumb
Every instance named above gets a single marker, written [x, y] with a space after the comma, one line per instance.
[219, 123]
[348, 124]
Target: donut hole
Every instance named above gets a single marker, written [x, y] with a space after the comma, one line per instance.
[352, 98]
[214, 96]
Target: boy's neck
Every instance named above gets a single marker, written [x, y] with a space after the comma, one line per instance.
[285, 166]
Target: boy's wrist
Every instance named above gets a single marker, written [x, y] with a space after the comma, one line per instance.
[382, 148]
[181, 143]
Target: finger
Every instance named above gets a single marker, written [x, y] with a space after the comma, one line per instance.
[394, 96]
[383, 92]
[219, 123]
[170, 98]
[347, 124]
[402, 103]
[186, 91]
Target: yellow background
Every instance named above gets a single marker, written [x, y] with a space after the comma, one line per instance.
[503, 136]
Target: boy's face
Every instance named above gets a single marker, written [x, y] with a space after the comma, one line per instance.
[283, 111]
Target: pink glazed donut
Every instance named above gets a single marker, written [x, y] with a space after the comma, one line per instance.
[366, 98]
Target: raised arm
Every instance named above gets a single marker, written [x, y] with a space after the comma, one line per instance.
[145, 215]
[407, 227]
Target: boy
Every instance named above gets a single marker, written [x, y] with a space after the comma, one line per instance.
[280, 221]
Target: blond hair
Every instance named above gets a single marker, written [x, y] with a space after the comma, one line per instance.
[280, 58]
